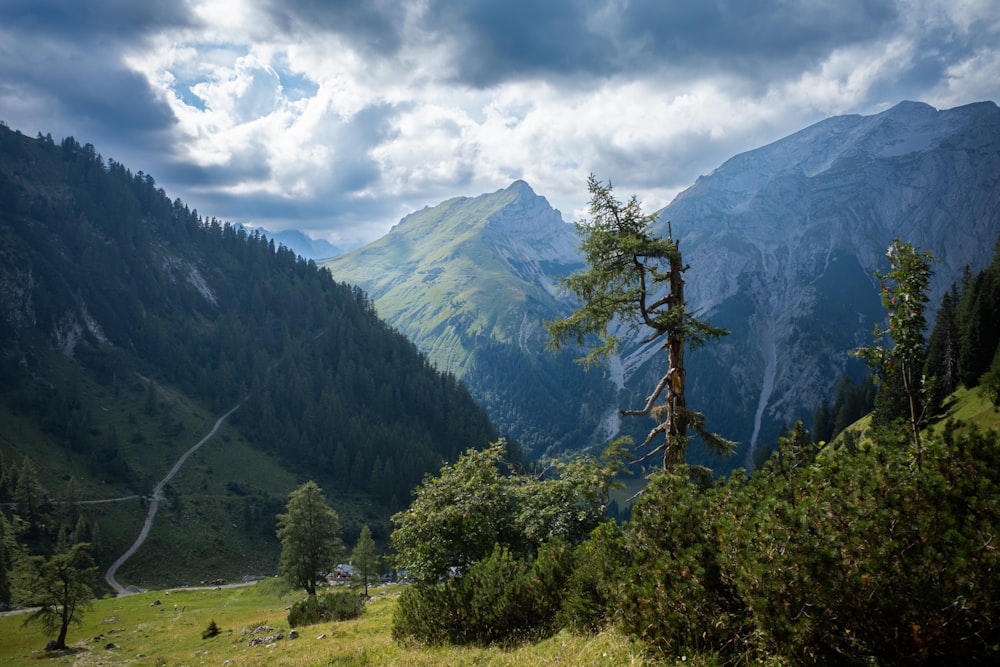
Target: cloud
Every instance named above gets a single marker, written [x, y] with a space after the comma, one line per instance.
[339, 117]
[62, 69]
[374, 26]
[494, 42]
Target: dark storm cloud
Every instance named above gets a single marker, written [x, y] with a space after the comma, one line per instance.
[732, 32]
[61, 66]
[495, 41]
[372, 26]
[93, 20]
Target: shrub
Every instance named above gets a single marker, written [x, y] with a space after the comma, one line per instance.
[500, 600]
[675, 595]
[211, 631]
[594, 587]
[339, 606]
[876, 556]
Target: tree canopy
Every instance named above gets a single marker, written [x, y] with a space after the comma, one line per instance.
[458, 517]
[904, 295]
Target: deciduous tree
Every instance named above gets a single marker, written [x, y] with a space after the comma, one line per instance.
[904, 295]
[309, 531]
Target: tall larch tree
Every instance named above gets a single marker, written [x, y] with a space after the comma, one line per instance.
[59, 588]
[636, 279]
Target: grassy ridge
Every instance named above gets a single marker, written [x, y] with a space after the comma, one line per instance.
[169, 633]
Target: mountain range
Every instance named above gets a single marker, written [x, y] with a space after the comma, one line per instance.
[129, 324]
[782, 242]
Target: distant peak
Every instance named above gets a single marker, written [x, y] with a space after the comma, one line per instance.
[911, 105]
[520, 187]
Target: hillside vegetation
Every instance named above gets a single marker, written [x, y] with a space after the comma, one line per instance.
[129, 324]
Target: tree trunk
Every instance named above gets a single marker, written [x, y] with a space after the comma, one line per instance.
[673, 452]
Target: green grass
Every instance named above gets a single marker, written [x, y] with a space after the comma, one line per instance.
[169, 633]
[971, 407]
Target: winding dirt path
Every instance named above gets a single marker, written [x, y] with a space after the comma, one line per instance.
[154, 504]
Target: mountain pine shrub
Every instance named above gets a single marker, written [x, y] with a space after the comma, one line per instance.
[501, 600]
[874, 555]
[332, 607]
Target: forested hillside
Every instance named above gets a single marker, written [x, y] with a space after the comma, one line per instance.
[120, 309]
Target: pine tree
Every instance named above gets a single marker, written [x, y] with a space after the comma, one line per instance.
[943, 346]
[5, 561]
[978, 314]
[29, 494]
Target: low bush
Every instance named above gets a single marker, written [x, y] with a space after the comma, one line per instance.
[339, 606]
[500, 600]
[211, 631]
[594, 587]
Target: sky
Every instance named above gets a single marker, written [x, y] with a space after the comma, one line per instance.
[339, 117]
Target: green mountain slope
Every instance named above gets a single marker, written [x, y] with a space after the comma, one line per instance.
[471, 282]
[129, 324]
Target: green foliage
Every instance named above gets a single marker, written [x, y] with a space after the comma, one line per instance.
[7, 547]
[991, 380]
[850, 556]
[904, 295]
[675, 594]
[978, 314]
[852, 401]
[943, 348]
[628, 271]
[870, 557]
[310, 538]
[508, 541]
[596, 585]
[327, 608]
[457, 518]
[365, 558]
[61, 588]
[500, 600]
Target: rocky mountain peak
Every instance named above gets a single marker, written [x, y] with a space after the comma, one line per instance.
[527, 228]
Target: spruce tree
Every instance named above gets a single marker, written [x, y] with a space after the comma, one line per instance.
[942, 347]
[978, 314]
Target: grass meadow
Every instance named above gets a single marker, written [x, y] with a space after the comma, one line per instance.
[162, 628]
